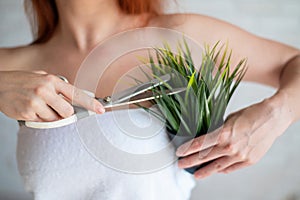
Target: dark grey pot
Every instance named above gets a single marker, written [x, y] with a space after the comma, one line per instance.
[178, 140]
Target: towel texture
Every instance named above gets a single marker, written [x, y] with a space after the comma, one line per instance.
[122, 154]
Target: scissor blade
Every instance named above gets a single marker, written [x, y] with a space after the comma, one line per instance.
[135, 90]
[146, 96]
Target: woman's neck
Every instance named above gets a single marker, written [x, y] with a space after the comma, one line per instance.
[83, 24]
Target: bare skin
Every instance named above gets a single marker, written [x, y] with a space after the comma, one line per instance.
[246, 135]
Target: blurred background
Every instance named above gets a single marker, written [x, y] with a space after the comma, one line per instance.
[275, 177]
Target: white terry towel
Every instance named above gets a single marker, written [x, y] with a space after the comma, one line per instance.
[119, 155]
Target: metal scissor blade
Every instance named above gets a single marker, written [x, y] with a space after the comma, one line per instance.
[135, 90]
[146, 96]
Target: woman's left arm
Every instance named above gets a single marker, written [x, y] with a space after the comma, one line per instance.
[249, 133]
[289, 88]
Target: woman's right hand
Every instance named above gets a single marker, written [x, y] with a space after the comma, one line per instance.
[41, 97]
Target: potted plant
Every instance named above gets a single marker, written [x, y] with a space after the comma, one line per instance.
[200, 108]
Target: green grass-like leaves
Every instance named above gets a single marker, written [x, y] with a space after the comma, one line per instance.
[208, 90]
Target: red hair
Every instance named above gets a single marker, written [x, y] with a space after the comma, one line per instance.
[44, 15]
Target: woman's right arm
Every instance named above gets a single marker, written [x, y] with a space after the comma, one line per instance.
[38, 96]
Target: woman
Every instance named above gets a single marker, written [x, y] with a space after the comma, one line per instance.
[66, 32]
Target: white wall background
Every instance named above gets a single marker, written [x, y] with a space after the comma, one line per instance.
[276, 177]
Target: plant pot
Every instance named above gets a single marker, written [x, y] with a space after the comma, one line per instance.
[178, 140]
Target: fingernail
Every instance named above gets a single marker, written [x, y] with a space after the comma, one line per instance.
[180, 151]
[181, 164]
[183, 149]
[198, 175]
[100, 110]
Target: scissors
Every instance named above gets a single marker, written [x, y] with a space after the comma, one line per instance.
[132, 95]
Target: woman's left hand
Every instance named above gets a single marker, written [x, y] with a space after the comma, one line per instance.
[242, 141]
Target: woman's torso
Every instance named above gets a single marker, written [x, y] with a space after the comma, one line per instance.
[55, 163]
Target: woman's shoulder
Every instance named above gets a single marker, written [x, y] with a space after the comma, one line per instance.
[201, 27]
[177, 20]
[16, 58]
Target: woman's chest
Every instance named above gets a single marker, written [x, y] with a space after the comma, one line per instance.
[97, 73]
